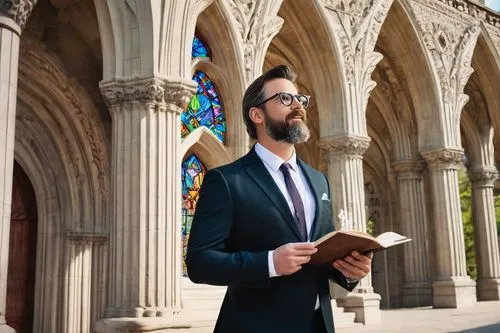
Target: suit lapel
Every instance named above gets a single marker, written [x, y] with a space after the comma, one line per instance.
[258, 172]
[314, 184]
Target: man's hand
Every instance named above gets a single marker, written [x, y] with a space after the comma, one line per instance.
[290, 257]
[356, 266]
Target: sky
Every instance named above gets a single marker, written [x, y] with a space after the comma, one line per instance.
[494, 4]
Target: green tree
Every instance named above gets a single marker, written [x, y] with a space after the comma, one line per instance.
[468, 226]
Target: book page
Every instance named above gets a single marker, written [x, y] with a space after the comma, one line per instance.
[390, 238]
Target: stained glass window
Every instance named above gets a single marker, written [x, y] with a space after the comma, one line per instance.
[204, 109]
[199, 49]
[193, 172]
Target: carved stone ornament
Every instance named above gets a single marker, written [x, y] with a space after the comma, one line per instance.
[150, 90]
[45, 66]
[486, 177]
[257, 22]
[357, 25]
[87, 237]
[450, 37]
[446, 157]
[408, 166]
[18, 10]
[345, 145]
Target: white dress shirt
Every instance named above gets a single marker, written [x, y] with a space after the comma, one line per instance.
[272, 162]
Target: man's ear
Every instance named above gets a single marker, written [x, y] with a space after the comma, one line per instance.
[256, 115]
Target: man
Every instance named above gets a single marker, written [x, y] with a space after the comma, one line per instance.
[256, 218]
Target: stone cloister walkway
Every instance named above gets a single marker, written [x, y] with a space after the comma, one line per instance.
[483, 317]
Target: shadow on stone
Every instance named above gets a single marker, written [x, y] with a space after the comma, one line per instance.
[494, 328]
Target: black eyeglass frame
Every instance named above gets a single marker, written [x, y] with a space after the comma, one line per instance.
[279, 94]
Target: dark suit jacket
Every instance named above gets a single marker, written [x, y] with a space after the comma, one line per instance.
[241, 215]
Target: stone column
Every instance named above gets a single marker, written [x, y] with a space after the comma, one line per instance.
[452, 287]
[145, 238]
[485, 234]
[417, 286]
[345, 173]
[13, 17]
[257, 23]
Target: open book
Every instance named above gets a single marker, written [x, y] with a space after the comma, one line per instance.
[339, 244]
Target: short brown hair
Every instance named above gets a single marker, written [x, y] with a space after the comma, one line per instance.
[255, 93]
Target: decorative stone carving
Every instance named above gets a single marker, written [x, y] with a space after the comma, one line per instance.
[477, 107]
[156, 91]
[357, 25]
[47, 68]
[450, 38]
[486, 176]
[345, 145]
[392, 89]
[444, 158]
[87, 237]
[18, 10]
[408, 166]
[257, 24]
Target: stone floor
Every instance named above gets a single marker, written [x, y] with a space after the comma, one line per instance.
[484, 317]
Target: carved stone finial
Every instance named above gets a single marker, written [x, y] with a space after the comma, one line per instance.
[18, 10]
[345, 145]
[445, 158]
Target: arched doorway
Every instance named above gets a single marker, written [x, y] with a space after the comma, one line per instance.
[22, 254]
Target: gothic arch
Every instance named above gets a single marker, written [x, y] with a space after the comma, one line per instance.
[486, 64]
[391, 100]
[60, 143]
[224, 68]
[206, 146]
[128, 35]
[399, 31]
[310, 39]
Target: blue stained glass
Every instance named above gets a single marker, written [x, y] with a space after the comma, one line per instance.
[193, 172]
[199, 49]
[204, 109]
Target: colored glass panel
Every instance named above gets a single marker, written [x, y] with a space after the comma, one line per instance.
[199, 49]
[204, 109]
[193, 172]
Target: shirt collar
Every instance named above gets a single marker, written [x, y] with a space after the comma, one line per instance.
[272, 160]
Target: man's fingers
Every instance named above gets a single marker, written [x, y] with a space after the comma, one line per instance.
[302, 246]
[364, 266]
[349, 270]
[367, 259]
[304, 252]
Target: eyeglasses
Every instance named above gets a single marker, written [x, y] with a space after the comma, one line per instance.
[287, 99]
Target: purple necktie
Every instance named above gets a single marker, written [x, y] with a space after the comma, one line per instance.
[297, 201]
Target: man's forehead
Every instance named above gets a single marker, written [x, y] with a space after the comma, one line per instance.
[280, 85]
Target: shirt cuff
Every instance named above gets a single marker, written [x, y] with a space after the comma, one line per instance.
[350, 281]
[270, 264]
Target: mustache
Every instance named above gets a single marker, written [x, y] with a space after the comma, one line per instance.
[297, 113]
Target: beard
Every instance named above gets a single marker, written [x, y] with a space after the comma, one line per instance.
[287, 130]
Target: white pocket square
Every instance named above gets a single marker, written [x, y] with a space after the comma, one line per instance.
[324, 197]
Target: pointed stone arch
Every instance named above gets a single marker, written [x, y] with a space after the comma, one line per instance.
[486, 64]
[399, 31]
[206, 146]
[60, 143]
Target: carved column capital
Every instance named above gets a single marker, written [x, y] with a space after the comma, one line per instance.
[345, 145]
[87, 237]
[406, 169]
[445, 158]
[17, 10]
[163, 94]
[483, 177]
